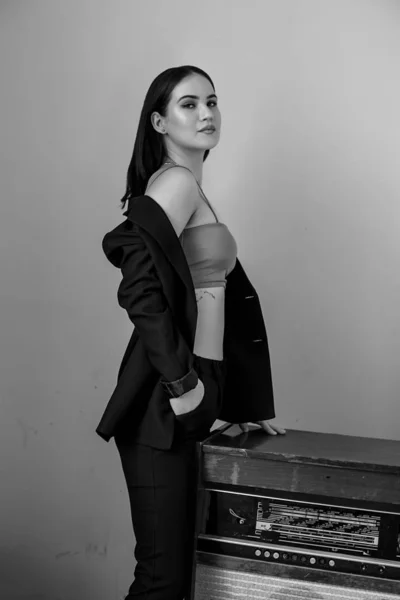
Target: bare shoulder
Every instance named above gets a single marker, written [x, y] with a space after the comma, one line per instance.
[176, 192]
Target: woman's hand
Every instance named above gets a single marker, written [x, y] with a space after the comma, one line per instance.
[188, 401]
[268, 427]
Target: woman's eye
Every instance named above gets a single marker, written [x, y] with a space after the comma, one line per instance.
[212, 103]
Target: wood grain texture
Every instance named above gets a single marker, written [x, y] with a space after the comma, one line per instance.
[305, 462]
[308, 447]
[326, 481]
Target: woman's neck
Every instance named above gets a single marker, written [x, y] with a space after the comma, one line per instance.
[194, 163]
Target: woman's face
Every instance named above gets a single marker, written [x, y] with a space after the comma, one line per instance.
[191, 110]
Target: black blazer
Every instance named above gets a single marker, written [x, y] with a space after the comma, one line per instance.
[158, 294]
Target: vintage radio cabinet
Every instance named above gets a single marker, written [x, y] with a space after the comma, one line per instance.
[301, 516]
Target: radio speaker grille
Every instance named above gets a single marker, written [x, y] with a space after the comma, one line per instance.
[215, 583]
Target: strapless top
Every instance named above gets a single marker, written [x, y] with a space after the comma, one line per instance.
[210, 251]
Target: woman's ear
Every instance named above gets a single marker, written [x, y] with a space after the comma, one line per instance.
[158, 122]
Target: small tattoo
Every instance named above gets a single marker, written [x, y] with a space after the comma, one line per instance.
[200, 295]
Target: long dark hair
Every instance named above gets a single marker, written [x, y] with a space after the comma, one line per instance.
[149, 151]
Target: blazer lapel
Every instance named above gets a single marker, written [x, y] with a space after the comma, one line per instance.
[148, 214]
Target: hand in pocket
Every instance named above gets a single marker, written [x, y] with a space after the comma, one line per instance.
[188, 401]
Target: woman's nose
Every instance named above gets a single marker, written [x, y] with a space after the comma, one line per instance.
[205, 112]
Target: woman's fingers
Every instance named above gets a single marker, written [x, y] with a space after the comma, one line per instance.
[268, 427]
[189, 400]
[271, 428]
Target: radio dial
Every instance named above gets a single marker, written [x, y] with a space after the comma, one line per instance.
[381, 569]
[331, 563]
[313, 561]
[276, 555]
[257, 552]
[267, 554]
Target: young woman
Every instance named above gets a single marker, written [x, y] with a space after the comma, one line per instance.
[199, 350]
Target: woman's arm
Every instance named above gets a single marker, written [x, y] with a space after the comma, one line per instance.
[140, 294]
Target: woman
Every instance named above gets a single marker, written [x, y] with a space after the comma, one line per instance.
[199, 350]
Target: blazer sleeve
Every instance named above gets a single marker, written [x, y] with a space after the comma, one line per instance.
[140, 293]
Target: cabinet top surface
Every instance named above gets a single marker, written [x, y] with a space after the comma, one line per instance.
[307, 447]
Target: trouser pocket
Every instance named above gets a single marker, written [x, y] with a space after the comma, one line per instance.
[196, 423]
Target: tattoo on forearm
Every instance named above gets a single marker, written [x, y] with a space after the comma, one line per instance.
[200, 295]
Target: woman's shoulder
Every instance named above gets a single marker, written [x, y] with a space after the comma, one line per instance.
[175, 190]
[171, 177]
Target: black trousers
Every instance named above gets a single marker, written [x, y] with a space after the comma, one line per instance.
[162, 487]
